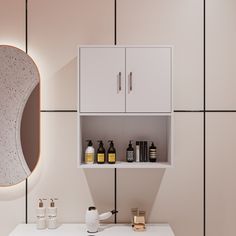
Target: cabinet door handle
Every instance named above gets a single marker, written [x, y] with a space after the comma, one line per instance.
[119, 76]
[130, 81]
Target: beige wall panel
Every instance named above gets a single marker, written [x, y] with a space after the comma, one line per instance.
[12, 32]
[57, 174]
[177, 23]
[173, 195]
[12, 207]
[56, 28]
[12, 23]
[220, 54]
[220, 174]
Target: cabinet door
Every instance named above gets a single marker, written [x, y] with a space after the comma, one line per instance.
[102, 79]
[148, 78]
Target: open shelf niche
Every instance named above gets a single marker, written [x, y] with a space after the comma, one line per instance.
[122, 128]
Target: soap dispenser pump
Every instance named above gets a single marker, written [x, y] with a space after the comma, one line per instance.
[41, 215]
[101, 153]
[52, 214]
[89, 153]
[111, 153]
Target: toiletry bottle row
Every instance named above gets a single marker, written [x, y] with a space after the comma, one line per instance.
[142, 153]
[43, 222]
[101, 156]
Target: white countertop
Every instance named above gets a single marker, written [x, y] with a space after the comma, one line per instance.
[80, 229]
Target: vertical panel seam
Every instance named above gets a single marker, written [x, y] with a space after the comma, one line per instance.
[115, 171]
[26, 50]
[204, 117]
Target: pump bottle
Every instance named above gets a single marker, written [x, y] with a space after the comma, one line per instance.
[101, 153]
[130, 152]
[89, 153]
[41, 215]
[52, 215]
[152, 153]
[111, 153]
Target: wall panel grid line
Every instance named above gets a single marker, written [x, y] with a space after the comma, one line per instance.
[26, 50]
[115, 171]
[204, 118]
[210, 111]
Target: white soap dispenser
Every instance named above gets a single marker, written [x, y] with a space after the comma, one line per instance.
[41, 215]
[89, 153]
[52, 215]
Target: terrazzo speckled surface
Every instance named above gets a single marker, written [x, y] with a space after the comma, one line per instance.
[18, 78]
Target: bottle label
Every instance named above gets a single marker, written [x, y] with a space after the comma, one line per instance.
[89, 158]
[130, 156]
[152, 154]
[101, 157]
[111, 157]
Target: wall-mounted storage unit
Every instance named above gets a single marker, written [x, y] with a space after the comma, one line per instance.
[125, 93]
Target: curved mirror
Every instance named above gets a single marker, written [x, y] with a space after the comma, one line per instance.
[19, 115]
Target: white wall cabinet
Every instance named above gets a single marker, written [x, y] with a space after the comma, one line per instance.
[125, 93]
[125, 79]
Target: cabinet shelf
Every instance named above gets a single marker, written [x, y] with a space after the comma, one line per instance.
[125, 114]
[121, 129]
[126, 165]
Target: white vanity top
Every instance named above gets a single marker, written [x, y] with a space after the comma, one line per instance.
[80, 230]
